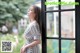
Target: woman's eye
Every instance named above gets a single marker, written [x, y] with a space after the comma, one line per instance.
[31, 10]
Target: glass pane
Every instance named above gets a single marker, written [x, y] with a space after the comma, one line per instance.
[68, 46]
[52, 24]
[68, 24]
[52, 46]
[69, 6]
[51, 5]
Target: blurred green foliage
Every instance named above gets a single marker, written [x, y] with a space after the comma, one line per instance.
[11, 37]
[13, 10]
[67, 46]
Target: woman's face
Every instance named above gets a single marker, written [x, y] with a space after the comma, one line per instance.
[31, 13]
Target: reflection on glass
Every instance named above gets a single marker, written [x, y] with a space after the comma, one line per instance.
[65, 6]
[52, 24]
[52, 46]
[52, 6]
[68, 24]
[68, 46]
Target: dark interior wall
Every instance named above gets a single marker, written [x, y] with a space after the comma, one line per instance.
[77, 27]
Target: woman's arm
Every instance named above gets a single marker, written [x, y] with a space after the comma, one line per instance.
[35, 42]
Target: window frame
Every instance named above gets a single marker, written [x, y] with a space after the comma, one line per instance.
[44, 33]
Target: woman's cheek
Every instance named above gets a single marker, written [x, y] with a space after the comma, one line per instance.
[29, 14]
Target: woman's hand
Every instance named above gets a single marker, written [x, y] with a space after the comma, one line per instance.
[30, 45]
[23, 49]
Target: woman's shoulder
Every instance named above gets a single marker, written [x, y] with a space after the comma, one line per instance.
[34, 23]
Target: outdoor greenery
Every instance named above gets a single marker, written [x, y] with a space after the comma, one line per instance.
[10, 12]
[13, 10]
[67, 46]
[10, 37]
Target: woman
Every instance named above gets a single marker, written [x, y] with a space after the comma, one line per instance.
[33, 32]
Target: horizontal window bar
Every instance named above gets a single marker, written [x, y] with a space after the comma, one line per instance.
[60, 10]
[60, 38]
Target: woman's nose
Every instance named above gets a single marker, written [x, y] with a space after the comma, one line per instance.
[28, 12]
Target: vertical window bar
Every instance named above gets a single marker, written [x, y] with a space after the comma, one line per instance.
[59, 28]
[43, 14]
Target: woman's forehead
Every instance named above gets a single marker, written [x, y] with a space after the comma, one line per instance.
[31, 7]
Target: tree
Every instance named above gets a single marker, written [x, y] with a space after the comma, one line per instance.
[13, 10]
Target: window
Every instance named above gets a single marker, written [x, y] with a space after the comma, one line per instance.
[59, 27]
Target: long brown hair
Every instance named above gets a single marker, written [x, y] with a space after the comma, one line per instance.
[37, 12]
